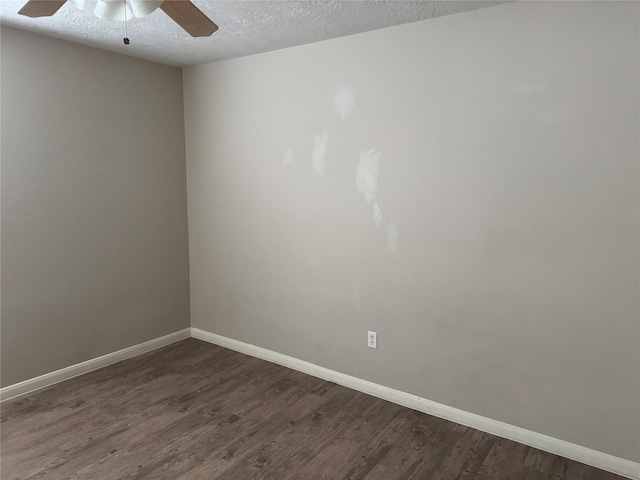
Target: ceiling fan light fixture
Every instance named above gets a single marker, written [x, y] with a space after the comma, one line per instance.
[113, 10]
[142, 8]
[183, 12]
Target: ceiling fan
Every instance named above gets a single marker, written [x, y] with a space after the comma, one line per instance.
[183, 12]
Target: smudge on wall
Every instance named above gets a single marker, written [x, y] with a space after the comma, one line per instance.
[288, 157]
[367, 174]
[343, 101]
[319, 155]
[377, 214]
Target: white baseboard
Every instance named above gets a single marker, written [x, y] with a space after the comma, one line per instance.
[556, 446]
[48, 379]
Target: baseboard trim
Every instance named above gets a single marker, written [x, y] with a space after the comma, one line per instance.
[63, 374]
[556, 446]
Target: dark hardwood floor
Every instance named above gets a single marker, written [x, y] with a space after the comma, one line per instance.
[193, 410]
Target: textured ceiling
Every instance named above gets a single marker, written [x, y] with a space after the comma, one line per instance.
[246, 27]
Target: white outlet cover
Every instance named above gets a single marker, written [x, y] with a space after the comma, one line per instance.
[372, 339]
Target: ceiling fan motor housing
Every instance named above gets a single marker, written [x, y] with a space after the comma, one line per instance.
[183, 12]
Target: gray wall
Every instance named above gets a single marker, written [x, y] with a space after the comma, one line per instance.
[94, 226]
[501, 149]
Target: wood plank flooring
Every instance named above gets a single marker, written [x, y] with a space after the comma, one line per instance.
[193, 410]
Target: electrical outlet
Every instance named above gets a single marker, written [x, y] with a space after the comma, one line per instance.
[372, 339]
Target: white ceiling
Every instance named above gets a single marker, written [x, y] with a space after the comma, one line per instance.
[246, 27]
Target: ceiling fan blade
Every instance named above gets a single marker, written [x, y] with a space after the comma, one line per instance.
[41, 8]
[189, 17]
